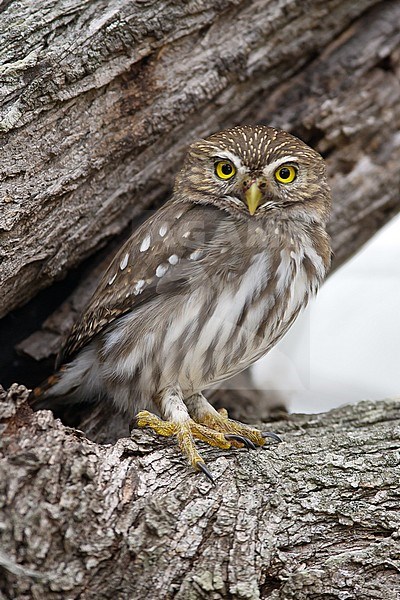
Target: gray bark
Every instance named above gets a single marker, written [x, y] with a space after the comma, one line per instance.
[314, 517]
[98, 101]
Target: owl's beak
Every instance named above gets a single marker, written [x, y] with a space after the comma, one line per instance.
[253, 197]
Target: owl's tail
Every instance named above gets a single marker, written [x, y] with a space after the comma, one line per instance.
[78, 381]
[49, 395]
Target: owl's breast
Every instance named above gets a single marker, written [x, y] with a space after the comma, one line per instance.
[219, 326]
[250, 315]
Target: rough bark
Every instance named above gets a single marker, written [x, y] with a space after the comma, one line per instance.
[314, 517]
[108, 109]
[99, 99]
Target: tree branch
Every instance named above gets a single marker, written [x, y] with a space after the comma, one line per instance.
[316, 516]
[99, 100]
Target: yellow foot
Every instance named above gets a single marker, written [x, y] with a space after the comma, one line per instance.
[214, 428]
[240, 434]
[185, 432]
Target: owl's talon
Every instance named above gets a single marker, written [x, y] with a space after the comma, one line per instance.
[213, 428]
[239, 433]
[242, 439]
[272, 435]
[202, 467]
[185, 433]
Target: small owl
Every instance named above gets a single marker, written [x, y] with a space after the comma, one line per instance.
[204, 288]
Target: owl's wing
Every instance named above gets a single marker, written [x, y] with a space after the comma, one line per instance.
[154, 260]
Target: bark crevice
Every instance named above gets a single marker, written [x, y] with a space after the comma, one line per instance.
[314, 517]
[98, 101]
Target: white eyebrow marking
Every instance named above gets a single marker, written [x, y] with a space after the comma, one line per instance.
[230, 156]
[145, 245]
[163, 230]
[173, 259]
[112, 279]
[161, 270]
[139, 287]
[124, 261]
[280, 161]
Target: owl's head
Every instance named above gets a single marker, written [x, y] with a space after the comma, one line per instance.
[251, 171]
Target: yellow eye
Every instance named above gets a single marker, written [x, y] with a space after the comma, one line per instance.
[224, 169]
[286, 174]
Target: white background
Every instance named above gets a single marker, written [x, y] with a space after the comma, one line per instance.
[346, 346]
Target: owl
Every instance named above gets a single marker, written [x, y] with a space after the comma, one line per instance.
[203, 288]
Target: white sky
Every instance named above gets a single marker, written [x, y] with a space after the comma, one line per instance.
[346, 346]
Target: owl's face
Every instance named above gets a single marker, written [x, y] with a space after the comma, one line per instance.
[251, 171]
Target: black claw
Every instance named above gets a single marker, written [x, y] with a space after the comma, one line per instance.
[207, 473]
[272, 435]
[240, 438]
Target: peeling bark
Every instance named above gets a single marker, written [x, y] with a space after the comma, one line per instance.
[314, 517]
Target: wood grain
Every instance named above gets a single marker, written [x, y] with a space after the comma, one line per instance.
[98, 101]
[314, 517]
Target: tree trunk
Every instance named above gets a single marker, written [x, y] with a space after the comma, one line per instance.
[98, 101]
[314, 517]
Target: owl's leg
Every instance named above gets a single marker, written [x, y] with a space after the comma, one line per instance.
[177, 422]
[203, 413]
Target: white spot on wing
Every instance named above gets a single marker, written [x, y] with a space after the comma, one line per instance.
[111, 281]
[196, 255]
[139, 287]
[173, 259]
[124, 262]
[161, 270]
[145, 245]
[163, 230]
